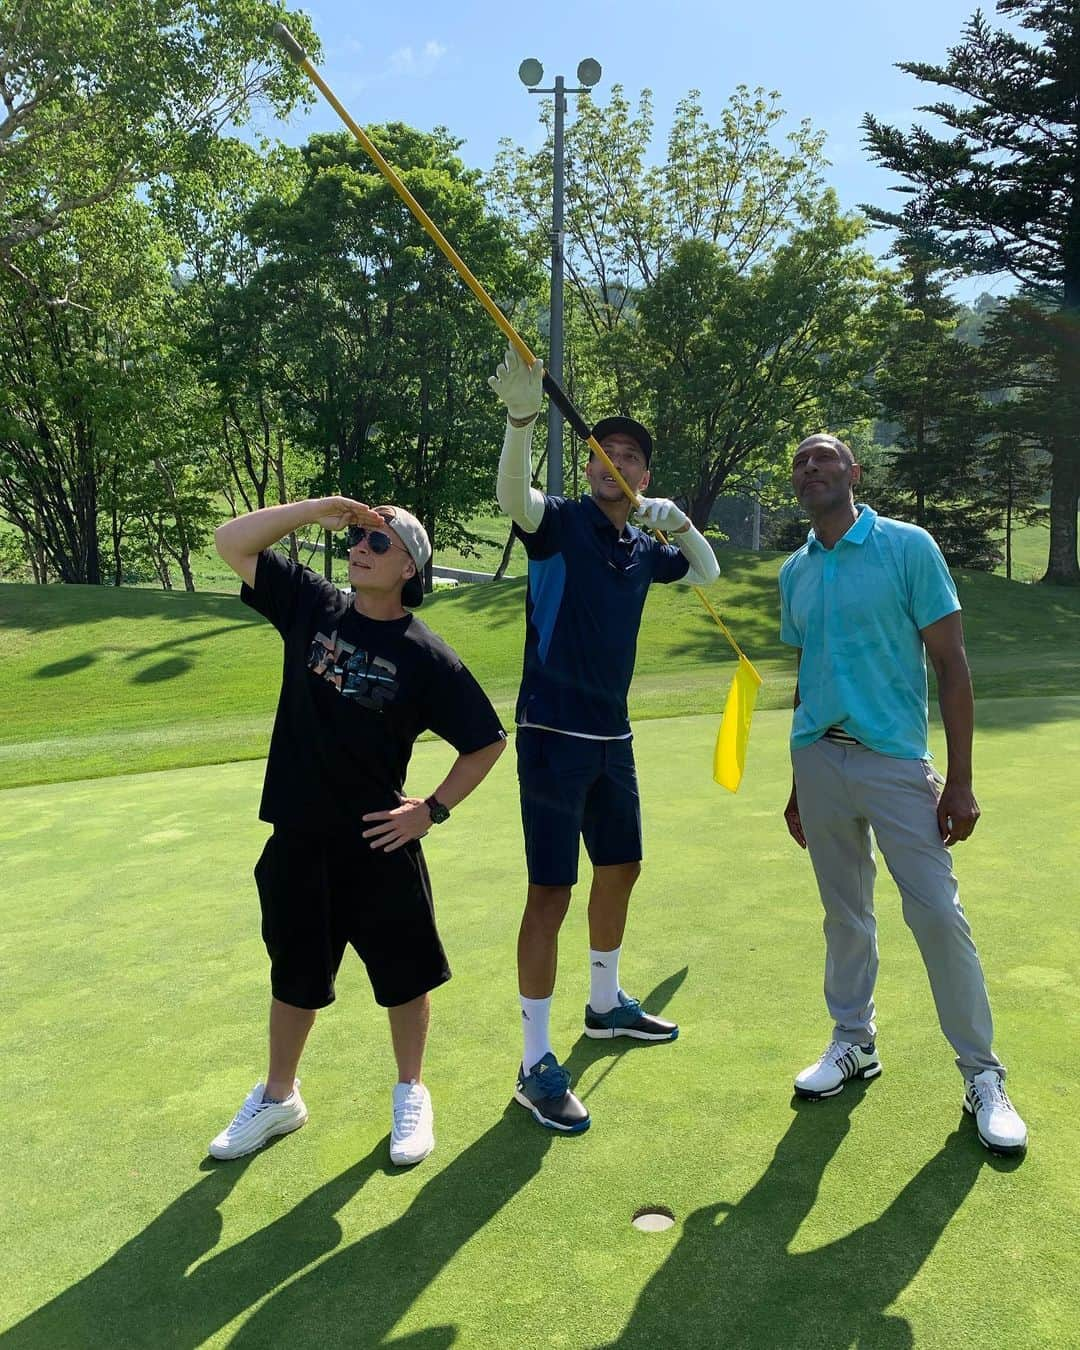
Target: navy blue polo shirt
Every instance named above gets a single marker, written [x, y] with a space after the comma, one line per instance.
[587, 588]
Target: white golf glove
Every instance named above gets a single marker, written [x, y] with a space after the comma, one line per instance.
[657, 513]
[519, 387]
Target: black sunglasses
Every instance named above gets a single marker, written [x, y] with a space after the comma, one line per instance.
[378, 542]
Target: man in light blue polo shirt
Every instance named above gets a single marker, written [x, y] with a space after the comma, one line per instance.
[863, 601]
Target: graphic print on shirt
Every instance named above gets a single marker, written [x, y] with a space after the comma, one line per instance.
[370, 681]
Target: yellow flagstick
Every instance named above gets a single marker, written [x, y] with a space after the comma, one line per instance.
[746, 678]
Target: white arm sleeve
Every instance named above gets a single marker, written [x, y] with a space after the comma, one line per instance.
[513, 487]
[697, 551]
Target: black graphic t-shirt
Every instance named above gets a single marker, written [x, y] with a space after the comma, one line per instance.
[355, 694]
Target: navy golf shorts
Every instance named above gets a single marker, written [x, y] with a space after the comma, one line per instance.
[574, 789]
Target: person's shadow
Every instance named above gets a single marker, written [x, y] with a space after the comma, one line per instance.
[165, 1288]
[358, 1296]
[732, 1279]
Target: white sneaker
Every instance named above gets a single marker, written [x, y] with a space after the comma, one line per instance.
[996, 1119]
[840, 1062]
[257, 1121]
[413, 1135]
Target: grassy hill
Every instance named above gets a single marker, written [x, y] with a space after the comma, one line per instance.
[97, 681]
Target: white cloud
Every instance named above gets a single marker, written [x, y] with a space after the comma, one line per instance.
[411, 62]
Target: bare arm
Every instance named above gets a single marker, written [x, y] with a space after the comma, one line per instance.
[239, 542]
[791, 811]
[958, 811]
[412, 819]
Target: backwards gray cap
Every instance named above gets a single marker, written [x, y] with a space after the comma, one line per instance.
[413, 535]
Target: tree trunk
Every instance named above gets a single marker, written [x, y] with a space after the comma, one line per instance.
[1063, 567]
[504, 561]
[37, 560]
[1008, 535]
[185, 567]
[279, 469]
[701, 504]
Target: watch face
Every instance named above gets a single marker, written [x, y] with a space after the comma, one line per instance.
[439, 813]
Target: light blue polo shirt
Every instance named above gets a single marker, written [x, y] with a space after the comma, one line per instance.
[856, 611]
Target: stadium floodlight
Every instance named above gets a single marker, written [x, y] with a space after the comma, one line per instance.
[589, 72]
[530, 72]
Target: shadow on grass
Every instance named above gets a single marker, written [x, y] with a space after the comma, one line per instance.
[164, 1288]
[159, 1288]
[188, 647]
[357, 1296]
[500, 602]
[733, 1280]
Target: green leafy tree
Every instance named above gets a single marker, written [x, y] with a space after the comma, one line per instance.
[738, 187]
[380, 355]
[1002, 194]
[738, 364]
[98, 98]
[226, 339]
[74, 376]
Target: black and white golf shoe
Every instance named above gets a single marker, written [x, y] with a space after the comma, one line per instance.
[840, 1062]
[998, 1122]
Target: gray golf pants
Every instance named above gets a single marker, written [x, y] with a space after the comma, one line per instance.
[844, 791]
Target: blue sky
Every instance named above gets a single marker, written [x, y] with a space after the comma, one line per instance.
[427, 64]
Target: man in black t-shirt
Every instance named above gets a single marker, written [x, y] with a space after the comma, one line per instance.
[361, 679]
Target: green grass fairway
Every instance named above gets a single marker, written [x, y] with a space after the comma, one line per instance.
[136, 994]
[96, 681]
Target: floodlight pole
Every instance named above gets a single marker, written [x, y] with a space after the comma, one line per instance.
[555, 342]
[555, 348]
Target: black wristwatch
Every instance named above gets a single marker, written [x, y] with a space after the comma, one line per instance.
[437, 811]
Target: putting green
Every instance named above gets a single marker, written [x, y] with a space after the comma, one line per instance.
[132, 957]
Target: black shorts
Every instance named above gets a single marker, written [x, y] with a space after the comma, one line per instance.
[574, 789]
[320, 893]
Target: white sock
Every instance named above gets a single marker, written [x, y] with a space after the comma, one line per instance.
[536, 1024]
[604, 980]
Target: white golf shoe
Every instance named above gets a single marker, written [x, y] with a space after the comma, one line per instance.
[257, 1121]
[837, 1065]
[413, 1134]
[996, 1119]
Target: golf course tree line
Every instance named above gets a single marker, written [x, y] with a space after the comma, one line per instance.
[106, 439]
[1002, 194]
[194, 322]
[964, 462]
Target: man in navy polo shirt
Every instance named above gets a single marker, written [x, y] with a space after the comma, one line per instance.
[863, 601]
[589, 572]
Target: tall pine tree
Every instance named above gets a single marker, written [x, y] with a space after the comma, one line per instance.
[928, 387]
[1003, 195]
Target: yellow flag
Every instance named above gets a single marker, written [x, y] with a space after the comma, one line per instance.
[729, 757]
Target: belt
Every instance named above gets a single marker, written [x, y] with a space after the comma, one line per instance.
[841, 736]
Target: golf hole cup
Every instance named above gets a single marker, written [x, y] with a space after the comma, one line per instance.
[653, 1219]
